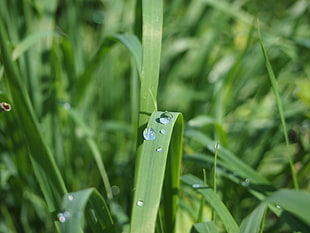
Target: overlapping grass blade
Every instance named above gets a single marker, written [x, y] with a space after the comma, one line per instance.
[253, 222]
[45, 168]
[85, 204]
[165, 130]
[275, 89]
[204, 227]
[214, 201]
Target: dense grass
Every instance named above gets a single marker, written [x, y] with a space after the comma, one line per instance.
[84, 79]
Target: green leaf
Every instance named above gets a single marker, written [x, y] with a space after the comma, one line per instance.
[204, 227]
[213, 200]
[82, 204]
[253, 222]
[295, 201]
[165, 135]
[45, 168]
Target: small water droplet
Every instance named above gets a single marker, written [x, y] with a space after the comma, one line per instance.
[196, 185]
[140, 203]
[149, 134]
[61, 217]
[159, 149]
[246, 182]
[278, 207]
[217, 146]
[67, 106]
[165, 118]
[70, 197]
[162, 131]
[115, 190]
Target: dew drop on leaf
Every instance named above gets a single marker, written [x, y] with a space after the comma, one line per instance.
[149, 134]
[165, 118]
[140, 203]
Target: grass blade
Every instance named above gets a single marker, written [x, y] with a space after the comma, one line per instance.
[275, 89]
[164, 129]
[45, 168]
[204, 227]
[85, 203]
[214, 201]
[253, 222]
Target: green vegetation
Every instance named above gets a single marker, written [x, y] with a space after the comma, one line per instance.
[154, 116]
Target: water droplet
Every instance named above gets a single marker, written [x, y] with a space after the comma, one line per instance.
[165, 118]
[278, 207]
[149, 134]
[70, 197]
[159, 149]
[115, 190]
[61, 217]
[196, 185]
[246, 182]
[217, 146]
[140, 203]
[162, 131]
[67, 106]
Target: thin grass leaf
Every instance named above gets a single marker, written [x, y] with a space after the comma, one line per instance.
[213, 200]
[275, 89]
[254, 222]
[164, 129]
[83, 204]
[204, 227]
[45, 168]
[30, 41]
[94, 149]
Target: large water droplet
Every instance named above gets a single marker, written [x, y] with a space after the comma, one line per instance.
[140, 203]
[159, 149]
[149, 134]
[70, 197]
[165, 118]
[67, 106]
[217, 146]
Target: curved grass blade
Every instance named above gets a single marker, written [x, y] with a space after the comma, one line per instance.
[204, 227]
[254, 222]
[82, 204]
[163, 131]
[275, 89]
[30, 41]
[295, 201]
[44, 165]
[213, 200]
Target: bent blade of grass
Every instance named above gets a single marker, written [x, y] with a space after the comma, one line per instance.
[275, 89]
[295, 201]
[44, 165]
[151, 170]
[253, 223]
[82, 204]
[204, 227]
[213, 200]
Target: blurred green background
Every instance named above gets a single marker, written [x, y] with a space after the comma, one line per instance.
[212, 70]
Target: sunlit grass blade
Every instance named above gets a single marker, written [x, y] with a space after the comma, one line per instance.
[214, 201]
[254, 222]
[45, 168]
[204, 227]
[85, 204]
[275, 89]
[164, 130]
